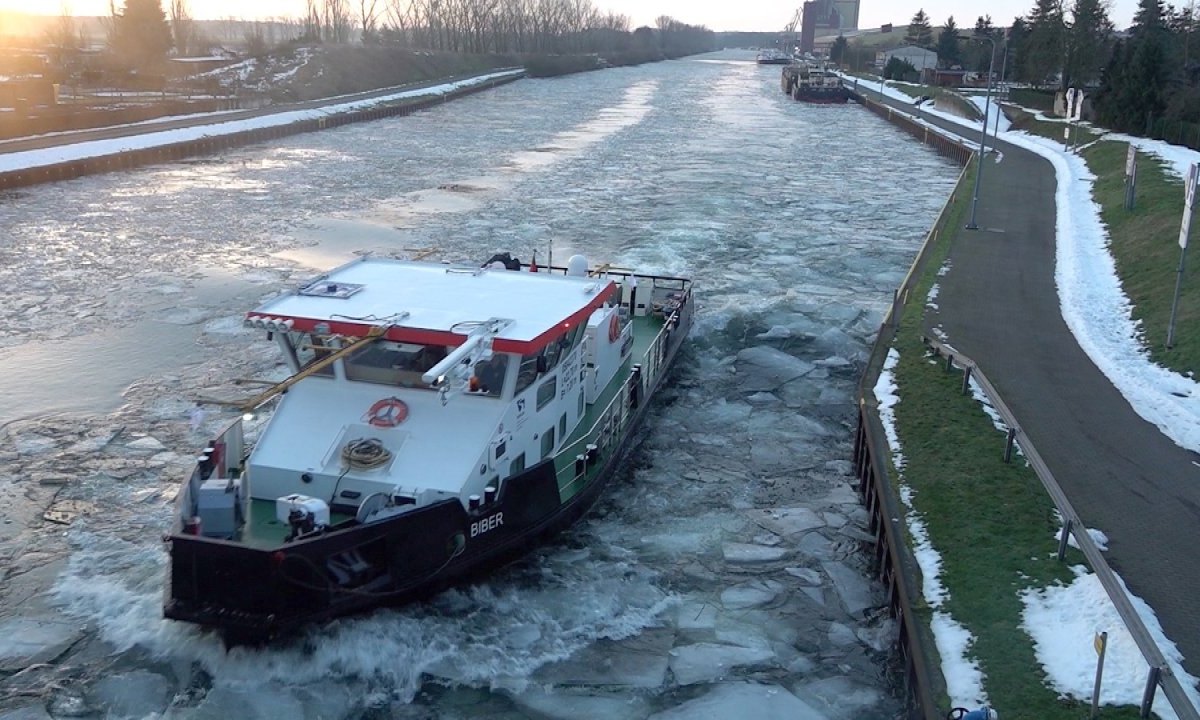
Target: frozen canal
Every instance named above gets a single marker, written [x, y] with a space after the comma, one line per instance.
[724, 573]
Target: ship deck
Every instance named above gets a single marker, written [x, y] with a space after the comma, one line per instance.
[263, 530]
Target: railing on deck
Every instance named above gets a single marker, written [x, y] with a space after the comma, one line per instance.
[612, 422]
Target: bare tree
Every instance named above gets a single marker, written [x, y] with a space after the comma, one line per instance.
[368, 15]
[312, 22]
[336, 21]
[182, 27]
[110, 23]
[65, 40]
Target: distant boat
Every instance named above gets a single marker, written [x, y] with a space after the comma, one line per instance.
[813, 83]
[772, 56]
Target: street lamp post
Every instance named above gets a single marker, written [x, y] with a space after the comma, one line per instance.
[987, 103]
[999, 91]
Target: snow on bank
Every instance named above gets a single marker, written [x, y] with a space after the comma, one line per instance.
[1178, 158]
[29, 159]
[1063, 621]
[964, 680]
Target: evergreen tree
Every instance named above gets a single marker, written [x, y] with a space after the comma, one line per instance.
[1044, 51]
[1147, 83]
[837, 51]
[1149, 19]
[1087, 42]
[1016, 42]
[1110, 102]
[920, 33]
[141, 36]
[947, 45]
[977, 55]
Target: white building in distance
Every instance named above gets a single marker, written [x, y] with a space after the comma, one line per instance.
[918, 57]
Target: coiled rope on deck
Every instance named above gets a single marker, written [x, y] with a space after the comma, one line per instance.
[365, 454]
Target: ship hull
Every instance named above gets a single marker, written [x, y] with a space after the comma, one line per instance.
[827, 99]
[254, 595]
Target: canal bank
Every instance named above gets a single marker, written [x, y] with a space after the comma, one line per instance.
[986, 300]
[71, 155]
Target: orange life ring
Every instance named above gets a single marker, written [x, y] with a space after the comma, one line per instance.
[388, 412]
[614, 328]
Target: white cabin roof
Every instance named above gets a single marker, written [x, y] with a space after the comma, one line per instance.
[431, 302]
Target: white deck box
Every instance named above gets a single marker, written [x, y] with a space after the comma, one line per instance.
[318, 508]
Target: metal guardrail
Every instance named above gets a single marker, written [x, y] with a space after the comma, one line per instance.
[1160, 673]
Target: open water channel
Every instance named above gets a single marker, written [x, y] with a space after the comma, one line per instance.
[725, 571]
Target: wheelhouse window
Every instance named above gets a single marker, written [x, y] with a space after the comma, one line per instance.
[547, 359]
[394, 363]
[311, 349]
[488, 376]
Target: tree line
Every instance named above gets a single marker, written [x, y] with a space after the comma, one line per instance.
[1138, 78]
[140, 32]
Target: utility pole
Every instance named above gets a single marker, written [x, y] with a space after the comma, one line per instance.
[987, 103]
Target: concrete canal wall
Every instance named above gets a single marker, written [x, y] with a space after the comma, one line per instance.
[127, 159]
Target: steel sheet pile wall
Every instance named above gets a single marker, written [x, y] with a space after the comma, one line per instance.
[922, 682]
[205, 146]
[952, 148]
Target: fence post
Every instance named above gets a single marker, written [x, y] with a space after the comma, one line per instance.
[966, 383]
[1008, 446]
[1151, 688]
[1062, 542]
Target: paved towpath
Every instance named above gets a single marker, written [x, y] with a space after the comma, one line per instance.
[999, 305]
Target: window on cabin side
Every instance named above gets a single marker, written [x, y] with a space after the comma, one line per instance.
[546, 392]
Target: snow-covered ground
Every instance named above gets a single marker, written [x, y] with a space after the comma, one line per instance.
[1062, 620]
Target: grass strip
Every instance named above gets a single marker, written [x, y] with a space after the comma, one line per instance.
[992, 523]
[1144, 244]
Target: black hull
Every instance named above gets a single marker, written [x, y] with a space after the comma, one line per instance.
[253, 595]
[822, 98]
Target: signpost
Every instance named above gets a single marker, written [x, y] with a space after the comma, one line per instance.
[1130, 177]
[1184, 228]
[1074, 100]
[1101, 644]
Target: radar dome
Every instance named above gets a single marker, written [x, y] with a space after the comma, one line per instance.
[577, 266]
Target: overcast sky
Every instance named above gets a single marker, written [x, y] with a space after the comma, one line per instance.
[758, 15]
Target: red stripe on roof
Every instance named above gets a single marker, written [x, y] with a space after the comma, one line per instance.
[422, 336]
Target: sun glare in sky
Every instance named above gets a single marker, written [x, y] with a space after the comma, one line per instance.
[757, 15]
